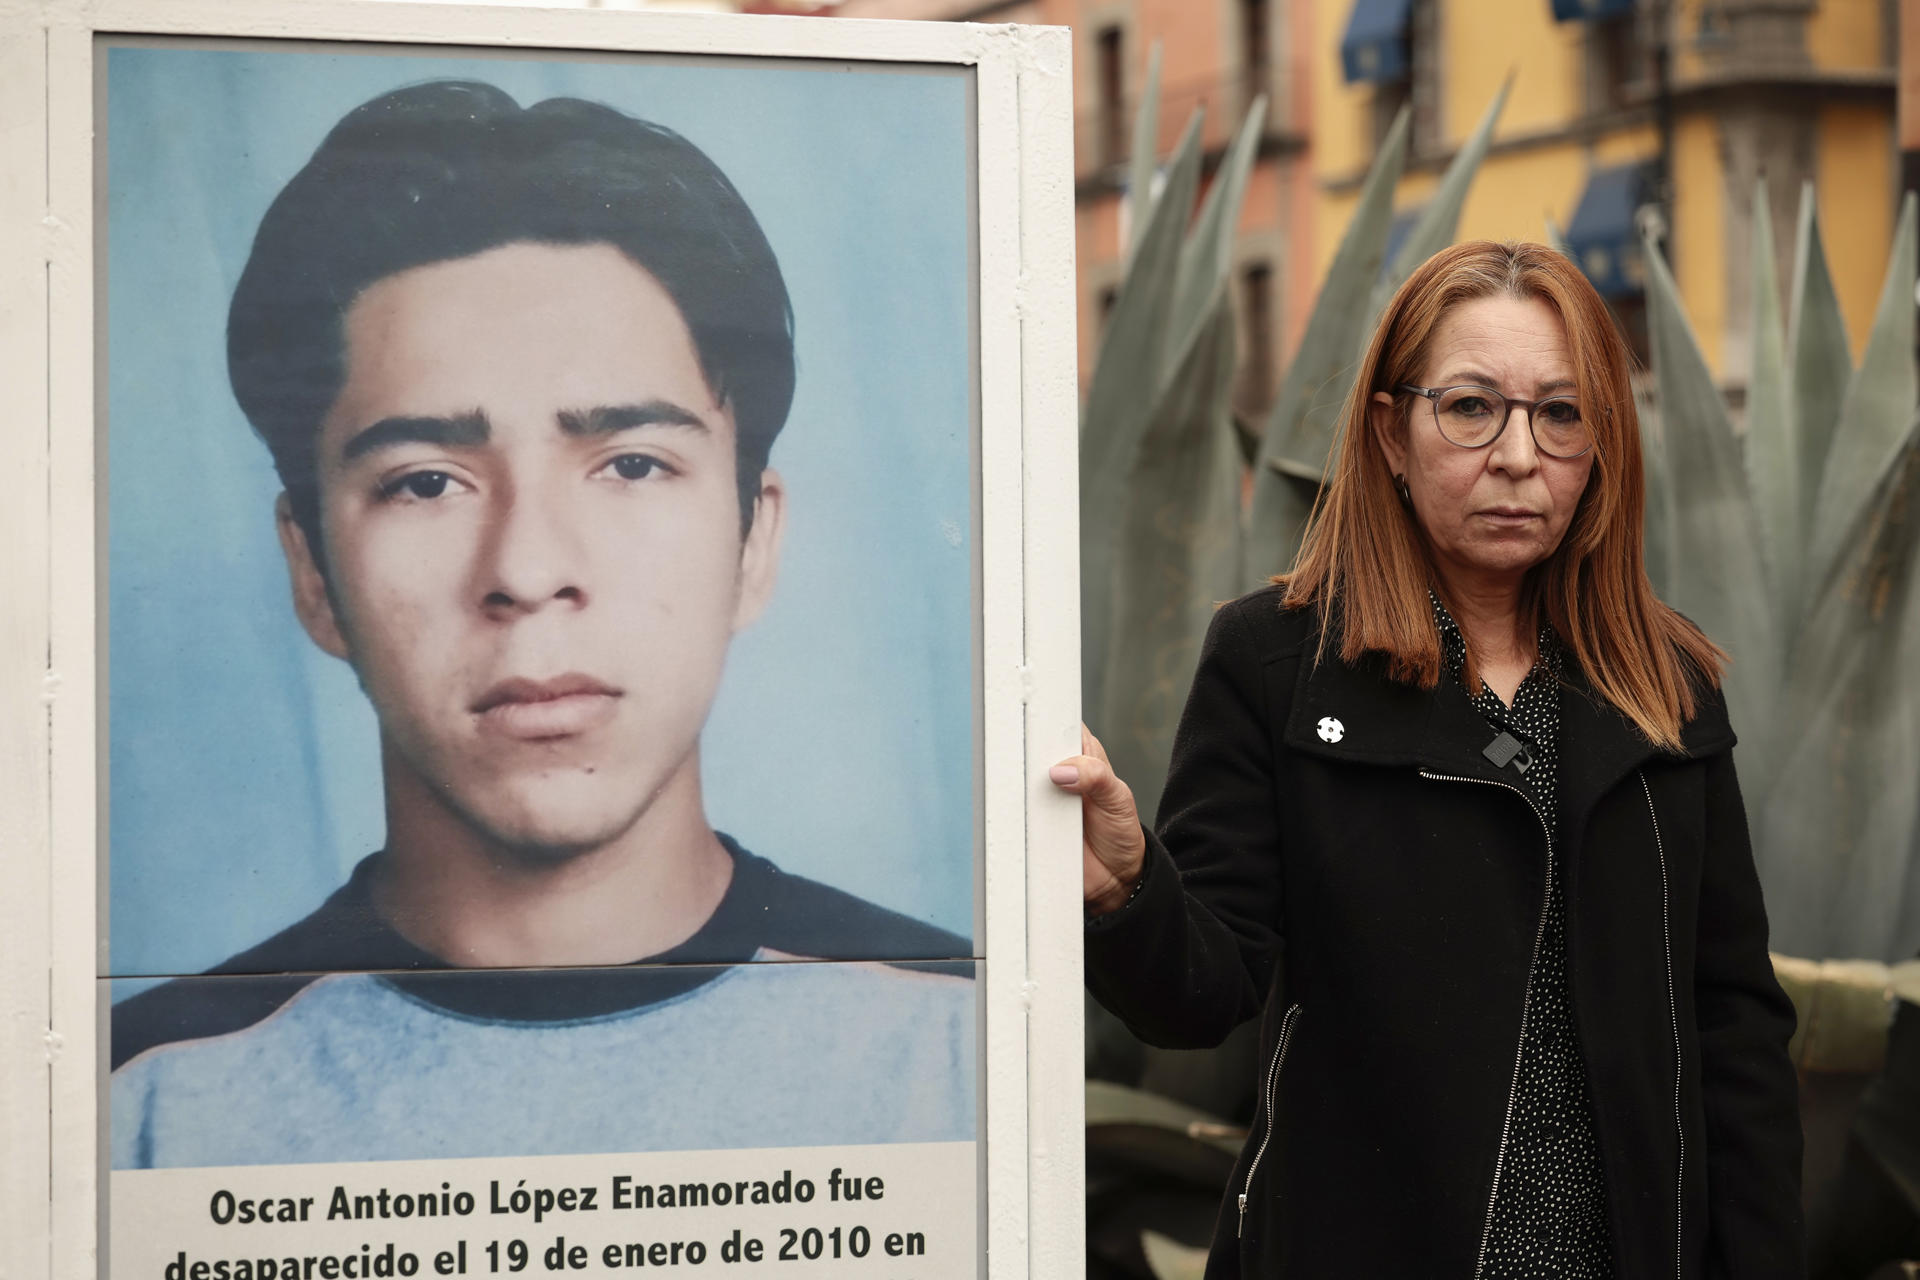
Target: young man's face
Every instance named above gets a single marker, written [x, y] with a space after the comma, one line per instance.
[532, 528]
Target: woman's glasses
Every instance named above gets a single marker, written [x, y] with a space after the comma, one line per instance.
[1473, 418]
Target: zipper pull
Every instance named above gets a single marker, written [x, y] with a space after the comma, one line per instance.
[1241, 1229]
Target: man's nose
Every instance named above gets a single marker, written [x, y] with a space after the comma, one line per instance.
[532, 556]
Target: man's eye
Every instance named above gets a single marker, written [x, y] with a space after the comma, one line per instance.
[424, 485]
[635, 466]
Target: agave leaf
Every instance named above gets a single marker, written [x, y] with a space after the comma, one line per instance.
[1279, 522]
[1877, 408]
[1715, 571]
[1206, 259]
[1834, 842]
[1120, 403]
[1821, 358]
[1656, 526]
[1179, 543]
[1146, 153]
[1299, 431]
[1773, 463]
[1111, 1105]
[1440, 216]
[1557, 237]
[1148, 1132]
[1168, 1259]
[1844, 1009]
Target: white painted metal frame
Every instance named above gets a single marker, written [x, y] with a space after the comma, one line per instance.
[50, 762]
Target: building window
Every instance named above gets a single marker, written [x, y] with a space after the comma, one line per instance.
[1113, 107]
[1394, 45]
[1256, 51]
[1423, 75]
[1256, 313]
[1388, 97]
[1630, 313]
[1614, 69]
[1603, 239]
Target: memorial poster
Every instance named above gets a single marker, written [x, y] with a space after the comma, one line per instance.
[537, 554]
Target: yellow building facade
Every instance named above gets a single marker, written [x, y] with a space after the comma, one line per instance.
[1775, 91]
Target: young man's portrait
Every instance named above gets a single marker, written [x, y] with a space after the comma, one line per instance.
[541, 605]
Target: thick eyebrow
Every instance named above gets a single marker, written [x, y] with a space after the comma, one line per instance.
[606, 419]
[470, 429]
[460, 430]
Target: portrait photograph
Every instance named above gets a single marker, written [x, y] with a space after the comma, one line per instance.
[540, 602]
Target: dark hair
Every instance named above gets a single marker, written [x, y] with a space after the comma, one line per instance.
[440, 171]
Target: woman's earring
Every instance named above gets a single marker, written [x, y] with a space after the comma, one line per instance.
[1406, 494]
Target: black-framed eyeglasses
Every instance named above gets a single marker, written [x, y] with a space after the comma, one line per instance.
[1473, 418]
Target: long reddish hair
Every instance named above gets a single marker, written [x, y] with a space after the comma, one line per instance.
[1365, 562]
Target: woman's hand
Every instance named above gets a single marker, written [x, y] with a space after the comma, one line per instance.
[1113, 850]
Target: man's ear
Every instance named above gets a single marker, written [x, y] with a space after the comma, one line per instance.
[1389, 431]
[760, 553]
[311, 603]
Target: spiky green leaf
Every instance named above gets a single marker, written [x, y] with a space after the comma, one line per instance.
[1179, 545]
[1440, 216]
[1275, 527]
[1878, 406]
[1206, 259]
[1120, 402]
[1844, 1009]
[1299, 431]
[1820, 359]
[1657, 524]
[1168, 1259]
[1716, 575]
[1835, 839]
[1773, 463]
[1145, 159]
[1146, 1130]
[1558, 239]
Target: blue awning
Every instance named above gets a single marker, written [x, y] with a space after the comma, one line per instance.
[1602, 238]
[1374, 47]
[1590, 10]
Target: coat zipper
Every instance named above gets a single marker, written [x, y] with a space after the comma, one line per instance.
[1526, 1005]
[1673, 1014]
[1266, 1136]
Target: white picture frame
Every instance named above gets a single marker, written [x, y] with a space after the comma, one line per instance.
[52, 770]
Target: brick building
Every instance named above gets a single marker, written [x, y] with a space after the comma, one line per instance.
[1219, 55]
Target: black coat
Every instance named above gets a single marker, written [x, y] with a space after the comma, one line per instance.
[1379, 895]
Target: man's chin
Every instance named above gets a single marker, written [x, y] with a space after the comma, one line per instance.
[553, 816]
[538, 840]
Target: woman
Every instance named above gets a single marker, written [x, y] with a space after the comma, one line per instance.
[1454, 803]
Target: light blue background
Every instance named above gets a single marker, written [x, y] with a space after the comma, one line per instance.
[243, 772]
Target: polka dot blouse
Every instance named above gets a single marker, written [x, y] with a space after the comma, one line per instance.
[1550, 1208]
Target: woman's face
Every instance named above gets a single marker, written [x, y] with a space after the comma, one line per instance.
[1491, 513]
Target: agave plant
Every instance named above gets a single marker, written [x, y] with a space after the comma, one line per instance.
[1795, 548]
[1165, 534]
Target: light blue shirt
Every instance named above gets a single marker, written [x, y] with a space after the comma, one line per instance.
[773, 1053]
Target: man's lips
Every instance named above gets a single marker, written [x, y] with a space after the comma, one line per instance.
[556, 708]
